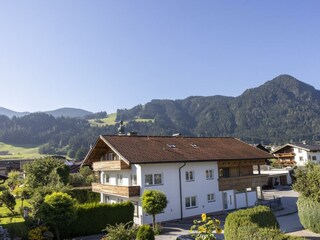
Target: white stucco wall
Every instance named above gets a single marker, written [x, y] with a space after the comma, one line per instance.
[200, 188]
[241, 200]
[305, 156]
[252, 198]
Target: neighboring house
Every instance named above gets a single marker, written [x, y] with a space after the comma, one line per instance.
[297, 154]
[197, 174]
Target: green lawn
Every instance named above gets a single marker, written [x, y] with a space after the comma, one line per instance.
[15, 225]
[111, 120]
[19, 152]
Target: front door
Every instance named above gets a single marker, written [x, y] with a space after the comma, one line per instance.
[225, 200]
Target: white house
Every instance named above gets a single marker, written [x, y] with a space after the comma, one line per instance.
[197, 174]
[298, 153]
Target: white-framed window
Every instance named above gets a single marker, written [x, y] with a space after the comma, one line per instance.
[189, 176]
[211, 197]
[209, 174]
[136, 209]
[300, 159]
[299, 150]
[314, 158]
[106, 178]
[133, 179]
[153, 179]
[309, 157]
[119, 179]
[191, 202]
[106, 199]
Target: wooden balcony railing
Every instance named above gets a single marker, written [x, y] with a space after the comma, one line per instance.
[113, 165]
[243, 182]
[122, 191]
[284, 155]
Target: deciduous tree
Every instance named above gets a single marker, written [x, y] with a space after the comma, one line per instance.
[154, 202]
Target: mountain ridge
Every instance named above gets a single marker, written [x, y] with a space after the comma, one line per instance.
[281, 109]
[65, 112]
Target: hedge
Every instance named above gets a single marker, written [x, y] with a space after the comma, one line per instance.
[309, 213]
[260, 216]
[253, 232]
[84, 195]
[92, 218]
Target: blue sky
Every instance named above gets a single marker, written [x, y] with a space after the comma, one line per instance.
[104, 55]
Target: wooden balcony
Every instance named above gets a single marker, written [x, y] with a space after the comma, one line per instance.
[121, 191]
[243, 182]
[114, 165]
[285, 155]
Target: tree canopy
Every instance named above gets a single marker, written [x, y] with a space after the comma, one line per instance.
[153, 202]
[57, 210]
[308, 181]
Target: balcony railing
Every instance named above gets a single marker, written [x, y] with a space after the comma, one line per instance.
[114, 165]
[122, 191]
[283, 155]
[243, 182]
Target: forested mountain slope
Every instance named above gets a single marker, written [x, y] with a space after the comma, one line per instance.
[278, 111]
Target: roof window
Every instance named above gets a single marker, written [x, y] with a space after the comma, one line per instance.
[194, 145]
[171, 146]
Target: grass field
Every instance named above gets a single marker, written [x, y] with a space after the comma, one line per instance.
[15, 225]
[19, 152]
[111, 120]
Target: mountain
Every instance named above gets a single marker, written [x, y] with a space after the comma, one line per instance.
[10, 113]
[69, 112]
[280, 110]
[65, 112]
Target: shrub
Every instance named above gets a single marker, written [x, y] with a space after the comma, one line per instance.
[85, 195]
[261, 216]
[121, 231]
[92, 218]
[253, 232]
[309, 213]
[145, 232]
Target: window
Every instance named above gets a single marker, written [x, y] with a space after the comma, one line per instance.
[299, 150]
[309, 157]
[191, 202]
[157, 179]
[209, 174]
[314, 158]
[211, 197]
[106, 178]
[133, 179]
[136, 209]
[153, 179]
[224, 172]
[119, 179]
[106, 199]
[300, 159]
[120, 200]
[189, 176]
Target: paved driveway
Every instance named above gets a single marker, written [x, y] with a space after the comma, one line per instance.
[287, 218]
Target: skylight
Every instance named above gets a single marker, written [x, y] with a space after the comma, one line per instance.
[171, 146]
[194, 145]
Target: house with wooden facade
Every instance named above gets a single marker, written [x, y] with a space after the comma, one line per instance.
[197, 174]
[297, 154]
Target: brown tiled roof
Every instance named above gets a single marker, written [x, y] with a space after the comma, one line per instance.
[156, 149]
